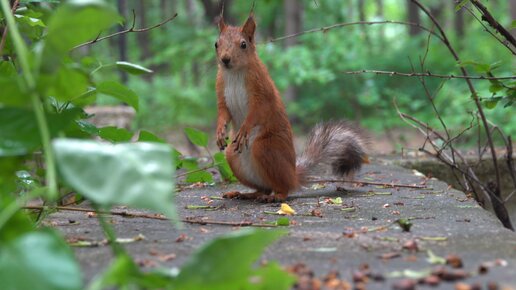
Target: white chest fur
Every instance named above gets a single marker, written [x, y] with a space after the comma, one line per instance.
[236, 97]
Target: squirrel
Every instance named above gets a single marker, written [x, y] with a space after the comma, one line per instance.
[261, 153]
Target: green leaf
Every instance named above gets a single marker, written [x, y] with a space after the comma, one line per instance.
[76, 22]
[199, 176]
[283, 221]
[115, 134]
[12, 92]
[44, 257]
[495, 87]
[270, 277]
[124, 273]
[19, 132]
[120, 92]
[138, 175]
[146, 136]
[29, 20]
[490, 103]
[405, 224]
[87, 127]
[197, 137]
[513, 24]
[66, 84]
[223, 167]
[132, 68]
[226, 263]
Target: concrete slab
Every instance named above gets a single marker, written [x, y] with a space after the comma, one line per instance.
[444, 221]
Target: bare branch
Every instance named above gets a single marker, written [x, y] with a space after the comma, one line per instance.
[426, 74]
[327, 28]
[129, 30]
[487, 17]
[504, 43]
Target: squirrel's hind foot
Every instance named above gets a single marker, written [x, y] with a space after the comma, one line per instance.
[257, 195]
[276, 197]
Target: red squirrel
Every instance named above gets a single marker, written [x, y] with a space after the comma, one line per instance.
[261, 152]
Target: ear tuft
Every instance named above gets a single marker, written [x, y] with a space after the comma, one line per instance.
[222, 25]
[249, 28]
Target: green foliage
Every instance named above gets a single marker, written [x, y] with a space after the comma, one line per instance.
[44, 90]
[232, 257]
[118, 174]
[44, 257]
[197, 137]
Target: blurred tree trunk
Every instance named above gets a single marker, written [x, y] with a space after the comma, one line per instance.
[459, 23]
[163, 8]
[350, 11]
[144, 41]
[413, 17]
[122, 39]
[212, 10]
[364, 28]
[512, 5]
[380, 15]
[293, 24]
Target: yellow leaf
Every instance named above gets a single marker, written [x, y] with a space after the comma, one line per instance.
[286, 209]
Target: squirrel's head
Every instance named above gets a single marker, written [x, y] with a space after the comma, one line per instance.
[235, 45]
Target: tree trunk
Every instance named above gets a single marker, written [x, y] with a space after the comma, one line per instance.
[293, 24]
[459, 23]
[380, 15]
[143, 38]
[512, 7]
[122, 40]
[413, 17]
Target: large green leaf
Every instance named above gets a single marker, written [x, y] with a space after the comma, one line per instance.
[11, 94]
[19, 132]
[38, 260]
[120, 92]
[76, 22]
[226, 263]
[138, 175]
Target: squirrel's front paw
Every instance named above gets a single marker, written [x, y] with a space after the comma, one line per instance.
[241, 140]
[221, 138]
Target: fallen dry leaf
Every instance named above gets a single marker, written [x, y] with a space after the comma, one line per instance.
[286, 210]
[405, 284]
[181, 238]
[454, 261]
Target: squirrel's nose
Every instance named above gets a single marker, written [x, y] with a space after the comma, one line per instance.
[226, 60]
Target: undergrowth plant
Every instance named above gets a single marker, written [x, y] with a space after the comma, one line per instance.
[47, 150]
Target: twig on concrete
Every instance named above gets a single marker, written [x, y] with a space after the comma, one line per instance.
[190, 220]
[369, 183]
[129, 30]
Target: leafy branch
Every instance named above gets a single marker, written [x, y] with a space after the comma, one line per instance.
[129, 30]
[428, 74]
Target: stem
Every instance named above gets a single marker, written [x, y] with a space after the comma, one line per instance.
[109, 232]
[36, 102]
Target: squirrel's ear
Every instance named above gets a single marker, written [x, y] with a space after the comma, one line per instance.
[221, 24]
[249, 28]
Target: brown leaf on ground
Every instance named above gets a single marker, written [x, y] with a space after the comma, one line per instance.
[454, 261]
[391, 255]
[411, 246]
[405, 284]
[316, 212]
[182, 238]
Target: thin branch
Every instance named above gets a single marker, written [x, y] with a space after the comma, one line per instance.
[369, 183]
[129, 30]
[6, 29]
[326, 28]
[427, 74]
[504, 43]
[474, 95]
[487, 17]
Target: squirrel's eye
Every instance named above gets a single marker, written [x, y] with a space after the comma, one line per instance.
[216, 45]
[243, 45]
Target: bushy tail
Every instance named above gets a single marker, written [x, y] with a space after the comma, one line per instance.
[336, 147]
